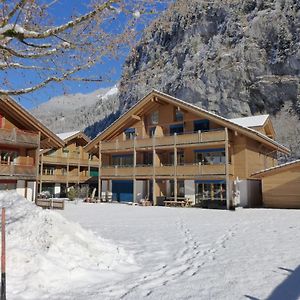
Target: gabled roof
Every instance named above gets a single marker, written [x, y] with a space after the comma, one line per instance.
[137, 108]
[11, 109]
[252, 121]
[279, 168]
[68, 136]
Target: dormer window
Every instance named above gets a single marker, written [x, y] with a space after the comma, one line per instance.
[154, 118]
[129, 133]
[178, 115]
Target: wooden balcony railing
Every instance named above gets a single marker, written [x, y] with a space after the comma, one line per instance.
[165, 171]
[62, 160]
[180, 139]
[19, 137]
[64, 178]
[17, 170]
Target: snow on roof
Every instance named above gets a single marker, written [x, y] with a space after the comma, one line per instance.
[66, 135]
[252, 121]
[277, 167]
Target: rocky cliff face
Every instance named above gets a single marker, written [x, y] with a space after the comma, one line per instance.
[235, 58]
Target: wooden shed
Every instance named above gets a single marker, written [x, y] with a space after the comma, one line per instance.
[281, 185]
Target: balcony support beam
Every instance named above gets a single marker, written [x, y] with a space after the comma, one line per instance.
[175, 166]
[134, 169]
[99, 170]
[41, 173]
[228, 200]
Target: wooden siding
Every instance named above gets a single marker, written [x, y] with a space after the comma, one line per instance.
[282, 190]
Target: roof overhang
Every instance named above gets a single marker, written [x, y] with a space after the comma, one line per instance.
[155, 98]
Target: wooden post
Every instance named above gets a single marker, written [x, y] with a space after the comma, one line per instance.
[68, 170]
[3, 258]
[153, 174]
[37, 164]
[41, 173]
[99, 171]
[228, 200]
[134, 169]
[175, 167]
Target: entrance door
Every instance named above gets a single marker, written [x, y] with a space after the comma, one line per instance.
[122, 190]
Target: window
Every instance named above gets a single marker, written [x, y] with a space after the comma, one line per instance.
[152, 131]
[8, 157]
[178, 128]
[180, 158]
[148, 158]
[51, 152]
[202, 125]
[210, 156]
[210, 190]
[178, 115]
[129, 133]
[154, 118]
[122, 160]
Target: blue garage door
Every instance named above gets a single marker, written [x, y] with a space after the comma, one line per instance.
[122, 190]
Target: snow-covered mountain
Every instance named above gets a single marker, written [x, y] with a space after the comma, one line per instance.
[77, 111]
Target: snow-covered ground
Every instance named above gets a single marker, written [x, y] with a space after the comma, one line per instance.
[186, 253]
[151, 253]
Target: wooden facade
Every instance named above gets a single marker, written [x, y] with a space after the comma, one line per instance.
[21, 137]
[67, 166]
[164, 146]
[281, 185]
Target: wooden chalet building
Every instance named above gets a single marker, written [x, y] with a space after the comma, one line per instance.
[21, 138]
[69, 165]
[165, 147]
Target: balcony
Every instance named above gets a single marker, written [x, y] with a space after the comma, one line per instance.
[62, 160]
[198, 138]
[72, 178]
[187, 170]
[18, 171]
[19, 137]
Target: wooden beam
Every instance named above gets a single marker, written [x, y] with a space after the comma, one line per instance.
[135, 117]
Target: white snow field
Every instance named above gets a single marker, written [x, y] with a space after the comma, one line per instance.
[129, 252]
[190, 253]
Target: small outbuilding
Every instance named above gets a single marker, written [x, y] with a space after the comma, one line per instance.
[281, 185]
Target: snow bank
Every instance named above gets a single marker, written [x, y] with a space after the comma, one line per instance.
[48, 255]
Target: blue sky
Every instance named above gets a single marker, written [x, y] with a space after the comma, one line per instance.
[62, 11]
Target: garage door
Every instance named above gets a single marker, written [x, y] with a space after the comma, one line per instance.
[122, 190]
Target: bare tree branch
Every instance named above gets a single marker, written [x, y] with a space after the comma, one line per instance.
[12, 12]
[65, 76]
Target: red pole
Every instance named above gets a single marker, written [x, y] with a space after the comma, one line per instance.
[3, 275]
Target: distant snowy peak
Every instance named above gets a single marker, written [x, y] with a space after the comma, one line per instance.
[73, 112]
[112, 92]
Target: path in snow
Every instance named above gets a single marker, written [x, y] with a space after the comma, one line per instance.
[195, 254]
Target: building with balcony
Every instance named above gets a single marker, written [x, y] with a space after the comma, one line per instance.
[21, 138]
[164, 147]
[68, 166]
